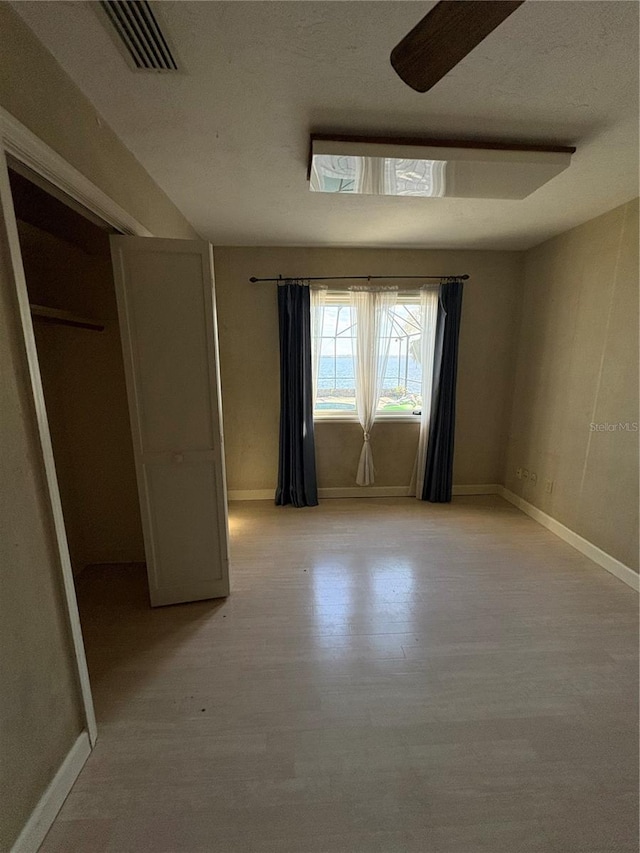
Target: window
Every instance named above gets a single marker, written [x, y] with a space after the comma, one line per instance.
[335, 334]
[334, 356]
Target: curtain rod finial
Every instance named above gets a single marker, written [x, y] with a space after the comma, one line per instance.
[253, 279]
[464, 277]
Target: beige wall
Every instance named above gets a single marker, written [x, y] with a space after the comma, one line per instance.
[40, 711]
[577, 365]
[247, 316]
[86, 398]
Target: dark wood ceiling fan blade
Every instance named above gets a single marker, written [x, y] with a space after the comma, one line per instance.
[451, 30]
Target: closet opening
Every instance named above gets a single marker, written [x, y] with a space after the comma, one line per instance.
[67, 263]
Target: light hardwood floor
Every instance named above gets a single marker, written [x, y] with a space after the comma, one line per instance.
[387, 676]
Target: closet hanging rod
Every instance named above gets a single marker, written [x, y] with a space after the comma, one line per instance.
[442, 278]
[64, 318]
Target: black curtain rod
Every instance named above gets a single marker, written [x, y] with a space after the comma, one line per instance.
[359, 277]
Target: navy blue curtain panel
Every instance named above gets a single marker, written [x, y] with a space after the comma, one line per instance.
[297, 482]
[438, 479]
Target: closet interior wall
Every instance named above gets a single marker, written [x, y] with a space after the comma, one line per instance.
[68, 266]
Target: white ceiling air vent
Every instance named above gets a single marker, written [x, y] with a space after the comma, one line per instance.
[139, 35]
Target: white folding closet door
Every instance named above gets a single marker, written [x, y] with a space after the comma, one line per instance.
[166, 302]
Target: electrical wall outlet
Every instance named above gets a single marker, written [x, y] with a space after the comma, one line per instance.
[525, 473]
[519, 473]
[548, 486]
[533, 478]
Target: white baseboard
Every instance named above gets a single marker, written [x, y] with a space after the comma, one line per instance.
[44, 814]
[606, 561]
[251, 494]
[360, 492]
[364, 492]
[477, 489]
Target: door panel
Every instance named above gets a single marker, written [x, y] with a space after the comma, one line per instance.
[169, 335]
[169, 312]
[184, 499]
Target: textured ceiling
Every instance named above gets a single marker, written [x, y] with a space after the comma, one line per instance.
[227, 139]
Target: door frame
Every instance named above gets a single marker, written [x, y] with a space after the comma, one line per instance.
[28, 149]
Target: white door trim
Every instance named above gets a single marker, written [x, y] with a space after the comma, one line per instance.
[25, 147]
[28, 149]
[6, 203]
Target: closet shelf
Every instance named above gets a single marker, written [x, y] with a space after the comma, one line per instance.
[64, 318]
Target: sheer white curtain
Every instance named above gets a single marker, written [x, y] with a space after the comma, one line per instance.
[318, 302]
[373, 339]
[429, 297]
